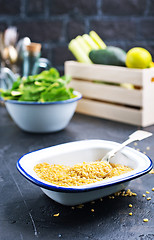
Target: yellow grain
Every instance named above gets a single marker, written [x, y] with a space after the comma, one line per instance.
[130, 213]
[56, 215]
[134, 194]
[152, 171]
[130, 205]
[149, 198]
[79, 206]
[126, 193]
[145, 220]
[79, 174]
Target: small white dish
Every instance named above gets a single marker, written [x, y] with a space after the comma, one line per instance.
[41, 117]
[77, 152]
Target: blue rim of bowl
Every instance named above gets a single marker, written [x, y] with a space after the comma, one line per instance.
[78, 97]
[82, 189]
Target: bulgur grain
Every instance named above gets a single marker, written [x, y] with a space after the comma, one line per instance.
[152, 171]
[130, 205]
[130, 213]
[124, 194]
[79, 174]
[147, 192]
[149, 198]
[145, 220]
[80, 206]
[144, 195]
[56, 215]
[134, 194]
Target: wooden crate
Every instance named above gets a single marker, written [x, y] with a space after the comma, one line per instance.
[110, 100]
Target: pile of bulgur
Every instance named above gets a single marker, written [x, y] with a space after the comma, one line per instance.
[79, 174]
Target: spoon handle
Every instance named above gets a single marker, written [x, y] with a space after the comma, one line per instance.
[136, 136]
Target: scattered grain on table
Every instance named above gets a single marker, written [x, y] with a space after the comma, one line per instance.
[152, 171]
[126, 193]
[80, 206]
[145, 220]
[56, 215]
[111, 197]
[149, 198]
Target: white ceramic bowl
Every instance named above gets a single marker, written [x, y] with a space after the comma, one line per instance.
[42, 117]
[79, 151]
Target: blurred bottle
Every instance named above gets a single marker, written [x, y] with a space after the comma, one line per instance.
[32, 63]
[31, 56]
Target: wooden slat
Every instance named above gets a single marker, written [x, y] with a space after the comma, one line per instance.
[115, 94]
[104, 73]
[148, 98]
[110, 111]
[112, 102]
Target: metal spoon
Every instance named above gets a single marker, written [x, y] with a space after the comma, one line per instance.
[136, 136]
[7, 77]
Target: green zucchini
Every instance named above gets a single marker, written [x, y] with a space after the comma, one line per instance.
[108, 56]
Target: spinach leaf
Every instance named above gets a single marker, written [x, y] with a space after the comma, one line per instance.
[48, 86]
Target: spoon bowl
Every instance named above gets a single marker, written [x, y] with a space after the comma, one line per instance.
[136, 136]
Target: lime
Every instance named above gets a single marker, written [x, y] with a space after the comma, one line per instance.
[138, 58]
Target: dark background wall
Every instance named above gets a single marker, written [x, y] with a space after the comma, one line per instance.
[122, 23]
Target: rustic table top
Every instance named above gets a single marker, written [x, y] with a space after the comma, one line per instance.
[27, 213]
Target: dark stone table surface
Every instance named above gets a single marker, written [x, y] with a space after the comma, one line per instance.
[27, 213]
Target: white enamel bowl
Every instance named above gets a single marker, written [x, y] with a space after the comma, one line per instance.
[40, 117]
[79, 151]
